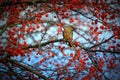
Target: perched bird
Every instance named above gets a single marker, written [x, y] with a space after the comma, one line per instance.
[68, 35]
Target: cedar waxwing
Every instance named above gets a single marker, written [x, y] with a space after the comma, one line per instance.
[68, 35]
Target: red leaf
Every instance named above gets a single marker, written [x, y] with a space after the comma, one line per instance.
[71, 55]
[102, 27]
[76, 43]
[104, 14]
[96, 21]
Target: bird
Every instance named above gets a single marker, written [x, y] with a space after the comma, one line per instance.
[68, 34]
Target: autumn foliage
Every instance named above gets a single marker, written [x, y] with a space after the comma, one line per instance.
[32, 45]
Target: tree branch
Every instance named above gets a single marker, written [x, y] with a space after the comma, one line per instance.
[42, 44]
[27, 68]
[3, 30]
[101, 42]
[116, 52]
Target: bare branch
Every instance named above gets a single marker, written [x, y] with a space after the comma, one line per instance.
[27, 68]
[43, 44]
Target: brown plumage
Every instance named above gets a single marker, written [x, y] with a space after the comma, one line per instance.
[68, 34]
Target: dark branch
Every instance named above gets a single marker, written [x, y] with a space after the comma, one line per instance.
[101, 42]
[43, 44]
[3, 30]
[27, 68]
